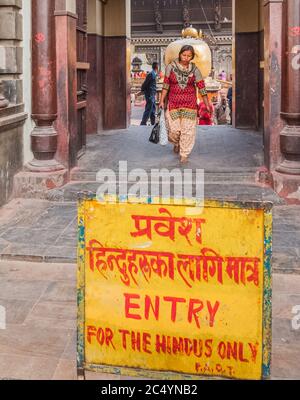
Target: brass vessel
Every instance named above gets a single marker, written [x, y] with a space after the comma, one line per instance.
[190, 36]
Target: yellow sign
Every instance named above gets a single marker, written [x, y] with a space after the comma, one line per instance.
[175, 289]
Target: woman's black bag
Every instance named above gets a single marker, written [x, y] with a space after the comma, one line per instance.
[154, 137]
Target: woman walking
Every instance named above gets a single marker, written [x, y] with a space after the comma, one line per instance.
[182, 77]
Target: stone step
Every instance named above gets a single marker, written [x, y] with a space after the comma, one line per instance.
[220, 191]
[239, 176]
[284, 264]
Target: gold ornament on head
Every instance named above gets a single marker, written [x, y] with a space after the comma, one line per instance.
[190, 32]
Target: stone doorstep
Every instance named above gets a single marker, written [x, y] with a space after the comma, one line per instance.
[288, 186]
[49, 259]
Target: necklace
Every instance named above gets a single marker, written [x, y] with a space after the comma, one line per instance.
[182, 73]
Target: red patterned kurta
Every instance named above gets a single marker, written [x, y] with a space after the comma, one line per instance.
[182, 104]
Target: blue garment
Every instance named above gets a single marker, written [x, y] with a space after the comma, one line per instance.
[229, 97]
[149, 88]
[150, 110]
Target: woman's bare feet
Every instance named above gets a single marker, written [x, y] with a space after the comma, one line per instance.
[183, 160]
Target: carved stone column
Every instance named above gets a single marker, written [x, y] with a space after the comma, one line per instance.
[44, 88]
[3, 100]
[186, 18]
[272, 82]
[218, 15]
[290, 135]
[158, 16]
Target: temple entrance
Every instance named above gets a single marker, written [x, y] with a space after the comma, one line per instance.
[245, 25]
[234, 31]
[155, 25]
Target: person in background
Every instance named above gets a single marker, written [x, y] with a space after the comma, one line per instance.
[223, 75]
[149, 88]
[222, 112]
[205, 117]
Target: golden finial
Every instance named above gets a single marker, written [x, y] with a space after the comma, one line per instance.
[190, 32]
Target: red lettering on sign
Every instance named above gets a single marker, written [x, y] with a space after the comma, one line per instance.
[241, 353]
[149, 305]
[129, 305]
[91, 331]
[124, 334]
[174, 301]
[183, 346]
[254, 350]
[234, 350]
[209, 347]
[212, 312]
[137, 341]
[195, 310]
[104, 336]
[134, 265]
[165, 226]
[146, 343]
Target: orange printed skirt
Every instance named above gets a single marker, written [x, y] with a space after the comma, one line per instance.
[181, 124]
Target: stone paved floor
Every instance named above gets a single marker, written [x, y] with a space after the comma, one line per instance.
[40, 339]
[219, 148]
[40, 297]
[37, 230]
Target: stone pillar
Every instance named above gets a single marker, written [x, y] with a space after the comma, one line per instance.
[218, 15]
[3, 100]
[66, 122]
[286, 175]
[186, 18]
[290, 135]
[158, 16]
[44, 88]
[272, 82]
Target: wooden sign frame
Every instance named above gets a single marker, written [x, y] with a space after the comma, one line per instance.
[82, 366]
